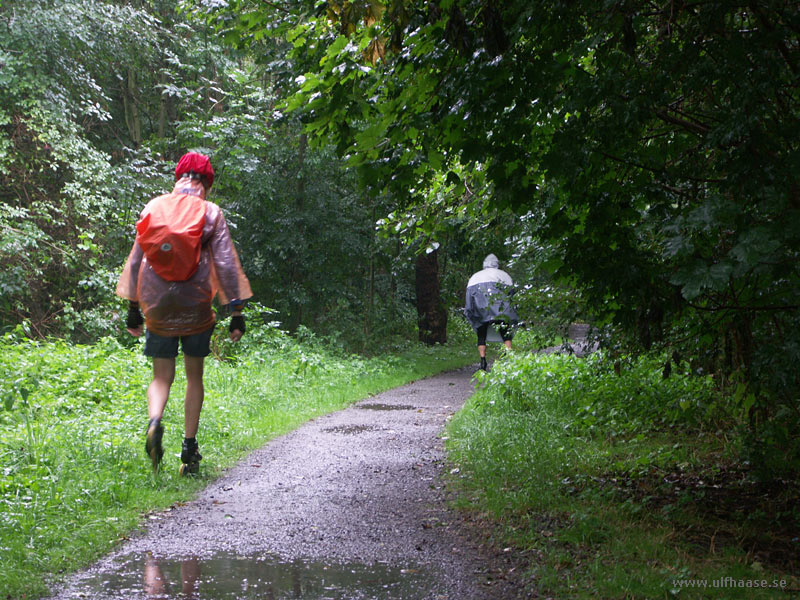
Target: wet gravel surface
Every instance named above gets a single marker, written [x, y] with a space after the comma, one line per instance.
[351, 505]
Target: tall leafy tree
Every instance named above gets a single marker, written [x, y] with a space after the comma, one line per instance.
[57, 188]
[326, 264]
[653, 144]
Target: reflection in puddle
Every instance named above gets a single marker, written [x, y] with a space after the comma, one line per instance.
[229, 576]
[378, 406]
[156, 585]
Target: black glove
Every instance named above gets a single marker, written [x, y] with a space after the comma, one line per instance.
[134, 320]
[237, 322]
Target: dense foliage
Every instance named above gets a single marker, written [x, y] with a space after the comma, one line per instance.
[651, 150]
[98, 101]
[59, 209]
[635, 164]
[621, 486]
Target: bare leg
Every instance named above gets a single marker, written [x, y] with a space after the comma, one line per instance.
[154, 582]
[508, 344]
[482, 351]
[190, 573]
[158, 390]
[195, 393]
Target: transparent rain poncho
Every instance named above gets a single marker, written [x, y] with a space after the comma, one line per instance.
[173, 308]
[487, 297]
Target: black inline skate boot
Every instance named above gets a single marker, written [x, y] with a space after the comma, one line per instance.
[190, 457]
[152, 445]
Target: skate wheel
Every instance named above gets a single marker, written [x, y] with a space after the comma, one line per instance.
[188, 469]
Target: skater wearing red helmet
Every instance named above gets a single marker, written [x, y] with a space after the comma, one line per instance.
[182, 258]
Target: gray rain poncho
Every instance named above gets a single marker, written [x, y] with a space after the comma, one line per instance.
[488, 294]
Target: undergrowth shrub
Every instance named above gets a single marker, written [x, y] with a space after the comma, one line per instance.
[609, 477]
[538, 421]
[592, 398]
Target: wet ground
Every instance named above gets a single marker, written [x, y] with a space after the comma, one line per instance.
[351, 505]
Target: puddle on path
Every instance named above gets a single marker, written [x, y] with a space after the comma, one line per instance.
[229, 576]
[379, 406]
[352, 429]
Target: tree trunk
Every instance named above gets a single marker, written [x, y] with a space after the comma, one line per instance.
[162, 109]
[370, 286]
[431, 315]
[131, 102]
[296, 316]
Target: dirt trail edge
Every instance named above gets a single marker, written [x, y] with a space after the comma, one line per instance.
[350, 505]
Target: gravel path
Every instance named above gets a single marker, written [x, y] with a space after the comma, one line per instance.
[351, 505]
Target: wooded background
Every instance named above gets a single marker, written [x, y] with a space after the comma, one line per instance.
[633, 164]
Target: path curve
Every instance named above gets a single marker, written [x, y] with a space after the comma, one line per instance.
[350, 505]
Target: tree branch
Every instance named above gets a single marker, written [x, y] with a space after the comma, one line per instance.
[697, 128]
[782, 49]
[774, 308]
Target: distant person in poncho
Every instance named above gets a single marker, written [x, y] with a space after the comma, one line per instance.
[488, 303]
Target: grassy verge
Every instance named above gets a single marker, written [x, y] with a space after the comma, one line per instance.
[622, 486]
[75, 479]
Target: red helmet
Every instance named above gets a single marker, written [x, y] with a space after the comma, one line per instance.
[199, 163]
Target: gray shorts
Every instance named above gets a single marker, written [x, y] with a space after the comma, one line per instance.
[159, 346]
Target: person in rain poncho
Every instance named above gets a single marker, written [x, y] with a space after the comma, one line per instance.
[488, 304]
[177, 308]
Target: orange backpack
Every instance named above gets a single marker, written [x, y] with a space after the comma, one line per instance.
[170, 234]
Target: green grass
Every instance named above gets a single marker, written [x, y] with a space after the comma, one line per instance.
[621, 486]
[75, 480]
